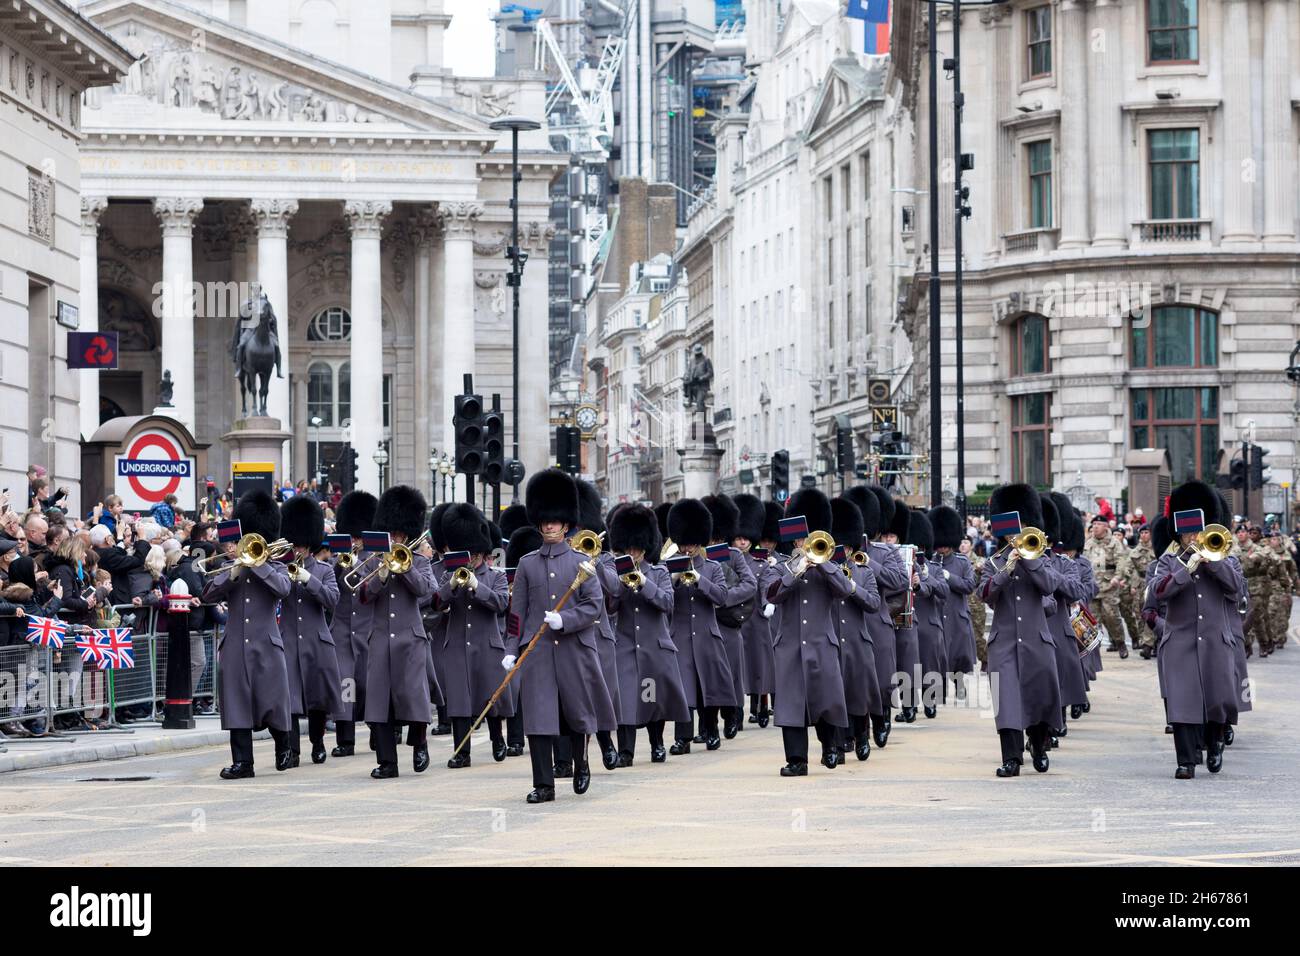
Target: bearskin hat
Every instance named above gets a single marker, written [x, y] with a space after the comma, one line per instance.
[436, 537]
[1225, 509]
[813, 505]
[513, 518]
[945, 522]
[257, 513]
[887, 509]
[465, 529]
[551, 495]
[661, 515]
[302, 522]
[899, 521]
[1064, 515]
[1074, 534]
[524, 541]
[1162, 533]
[725, 514]
[749, 524]
[772, 515]
[869, 505]
[1018, 497]
[634, 526]
[846, 523]
[401, 511]
[609, 515]
[1051, 519]
[919, 531]
[590, 513]
[690, 522]
[356, 513]
[1195, 494]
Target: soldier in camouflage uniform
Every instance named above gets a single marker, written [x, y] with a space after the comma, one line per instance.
[977, 606]
[1282, 586]
[1132, 596]
[1255, 565]
[1111, 568]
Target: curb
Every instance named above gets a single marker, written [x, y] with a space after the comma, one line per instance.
[105, 749]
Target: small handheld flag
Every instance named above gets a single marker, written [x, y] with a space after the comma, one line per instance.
[793, 528]
[115, 644]
[339, 543]
[718, 552]
[839, 555]
[229, 532]
[624, 564]
[1189, 522]
[46, 631]
[760, 553]
[455, 559]
[88, 645]
[678, 564]
[1005, 524]
[376, 541]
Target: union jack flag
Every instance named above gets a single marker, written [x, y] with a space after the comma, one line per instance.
[91, 652]
[46, 631]
[115, 645]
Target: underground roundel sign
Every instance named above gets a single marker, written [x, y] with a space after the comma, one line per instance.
[154, 466]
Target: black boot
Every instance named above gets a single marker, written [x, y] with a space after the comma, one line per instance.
[795, 770]
[1214, 759]
[461, 759]
[863, 748]
[1185, 771]
[420, 758]
[680, 747]
[1076, 711]
[541, 795]
[1009, 769]
[499, 749]
[385, 771]
[1228, 736]
[564, 769]
[318, 751]
[581, 776]
[609, 757]
[237, 771]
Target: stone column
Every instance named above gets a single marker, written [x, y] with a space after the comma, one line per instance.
[92, 207]
[1238, 202]
[1075, 176]
[457, 220]
[534, 351]
[271, 217]
[1107, 60]
[177, 218]
[1279, 141]
[427, 232]
[366, 217]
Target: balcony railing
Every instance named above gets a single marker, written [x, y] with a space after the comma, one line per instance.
[1171, 230]
[1029, 242]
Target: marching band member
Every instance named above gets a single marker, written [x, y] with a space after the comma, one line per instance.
[590, 519]
[810, 686]
[397, 667]
[254, 683]
[761, 528]
[958, 635]
[436, 624]
[309, 648]
[877, 509]
[1065, 530]
[1236, 615]
[931, 595]
[563, 690]
[1021, 650]
[351, 623]
[470, 597]
[1088, 588]
[698, 590]
[1153, 608]
[862, 695]
[907, 643]
[647, 657]
[735, 611]
[523, 540]
[1197, 646]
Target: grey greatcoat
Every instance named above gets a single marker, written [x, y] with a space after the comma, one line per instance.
[436, 627]
[958, 635]
[862, 694]
[809, 682]
[1088, 582]
[472, 643]
[607, 574]
[1153, 612]
[891, 581]
[702, 657]
[1233, 611]
[1022, 651]
[254, 689]
[742, 586]
[397, 667]
[563, 671]
[309, 647]
[931, 596]
[650, 682]
[1196, 649]
[1069, 669]
[350, 626]
[756, 634]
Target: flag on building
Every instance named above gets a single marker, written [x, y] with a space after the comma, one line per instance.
[874, 19]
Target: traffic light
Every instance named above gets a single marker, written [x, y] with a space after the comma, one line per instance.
[494, 446]
[1258, 476]
[467, 423]
[353, 469]
[844, 454]
[1237, 473]
[780, 475]
[568, 448]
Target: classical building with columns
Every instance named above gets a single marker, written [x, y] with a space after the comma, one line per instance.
[48, 56]
[333, 163]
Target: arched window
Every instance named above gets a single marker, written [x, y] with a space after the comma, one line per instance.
[345, 394]
[330, 325]
[1029, 338]
[320, 393]
[1176, 336]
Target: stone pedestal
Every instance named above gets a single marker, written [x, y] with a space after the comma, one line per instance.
[700, 456]
[258, 438]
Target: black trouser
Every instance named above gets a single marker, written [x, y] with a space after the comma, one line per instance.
[563, 750]
[627, 739]
[796, 740]
[881, 721]
[541, 751]
[655, 731]
[685, 730]
[442, 715]
[460, 728]
[386, 738]
[733, 715]
[345, 733]
[1189, 738]
[315, 729]
[1038, 735]
[605, 740]
[241, 744]
[1013, 745]
[858, 726]
[515, 728]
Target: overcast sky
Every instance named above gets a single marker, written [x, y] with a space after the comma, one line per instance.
[469, 42]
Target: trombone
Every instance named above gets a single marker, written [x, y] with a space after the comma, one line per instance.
[396, 561]
[588, 543]
[1212, 544]
[817, 549]
[1030, 543]
[253, 551]
[346, 559]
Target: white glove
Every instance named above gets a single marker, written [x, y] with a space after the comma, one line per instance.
[946, 575]
[508, 662]
[769, 610]
[472, 584]
[301, 575]
[383, 573]
[235, 570]
[554, 621]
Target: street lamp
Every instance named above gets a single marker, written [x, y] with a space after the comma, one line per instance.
[433, 476]
[445, 468]
[380, 458]
[517, 259]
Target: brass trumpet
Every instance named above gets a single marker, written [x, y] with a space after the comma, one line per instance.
[818, 549]
[253, 551]
[460, 578]
[690, 577]
[346, 559]
[861, 558]
[588, 543]
[633, 580]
